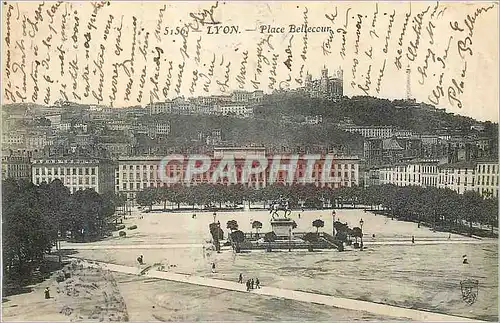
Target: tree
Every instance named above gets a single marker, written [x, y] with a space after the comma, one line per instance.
[88, 216]
[356, 233]
[472, 203]
[491, 212]
[237, 237]
[147, 197]
[318, 223]
[257, 225]
[270, 237]
[27, 232]
[232, 225]
[311, 238]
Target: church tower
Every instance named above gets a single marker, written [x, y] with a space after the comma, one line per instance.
[324, 80]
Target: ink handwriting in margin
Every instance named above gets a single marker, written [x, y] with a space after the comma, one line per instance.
[343, 31]
[326, 46]
[397, 59]
[202, 18]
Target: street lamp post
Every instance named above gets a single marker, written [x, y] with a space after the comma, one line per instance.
[361, 227]
[58, 243]
[333, 222]
[289, 239]
[218, 233]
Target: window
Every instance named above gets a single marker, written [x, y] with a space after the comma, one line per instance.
[93, 170]
[37, 171]
[86, 170]
[87, 181]
[80, 171]
[124, 186]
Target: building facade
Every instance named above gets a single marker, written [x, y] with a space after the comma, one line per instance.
[236, 110]
[134, 174]
[479, 176]
[459, 177]
[487, 178]
[16, 167]
[76, 173]
[371, 131]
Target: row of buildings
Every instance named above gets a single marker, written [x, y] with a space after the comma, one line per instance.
[480, 175]
[131, 174]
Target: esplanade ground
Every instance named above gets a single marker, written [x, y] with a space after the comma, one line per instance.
[391, 270]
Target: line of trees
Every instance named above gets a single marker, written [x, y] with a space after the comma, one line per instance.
[436, 207]
[35, 217]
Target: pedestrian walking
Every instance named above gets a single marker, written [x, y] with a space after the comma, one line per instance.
[252, 283]
[140, 260]
[47, 293]
[240, 279]
[257, 283]
[465, 261]
[213, 267]
[248, 285]
[412, 239]
[449, 236]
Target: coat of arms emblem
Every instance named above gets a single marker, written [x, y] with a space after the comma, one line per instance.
[470, 289]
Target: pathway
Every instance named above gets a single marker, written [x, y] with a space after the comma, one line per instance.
[346, 303]
[199, 245]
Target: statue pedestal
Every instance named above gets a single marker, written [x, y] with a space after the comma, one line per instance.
[282, 228]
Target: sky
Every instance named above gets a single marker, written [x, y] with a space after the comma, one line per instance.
[46, 59]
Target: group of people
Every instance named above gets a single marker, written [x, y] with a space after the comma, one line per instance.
[251, 284]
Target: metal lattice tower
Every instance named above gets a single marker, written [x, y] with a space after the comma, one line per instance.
[408, 82]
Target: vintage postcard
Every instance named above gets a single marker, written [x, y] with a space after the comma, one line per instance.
[249, 161]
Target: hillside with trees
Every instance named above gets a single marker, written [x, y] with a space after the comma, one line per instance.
[364, 110]
[270, 133]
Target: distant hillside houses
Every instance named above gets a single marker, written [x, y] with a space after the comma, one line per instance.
[376, 131]
[213, 104]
